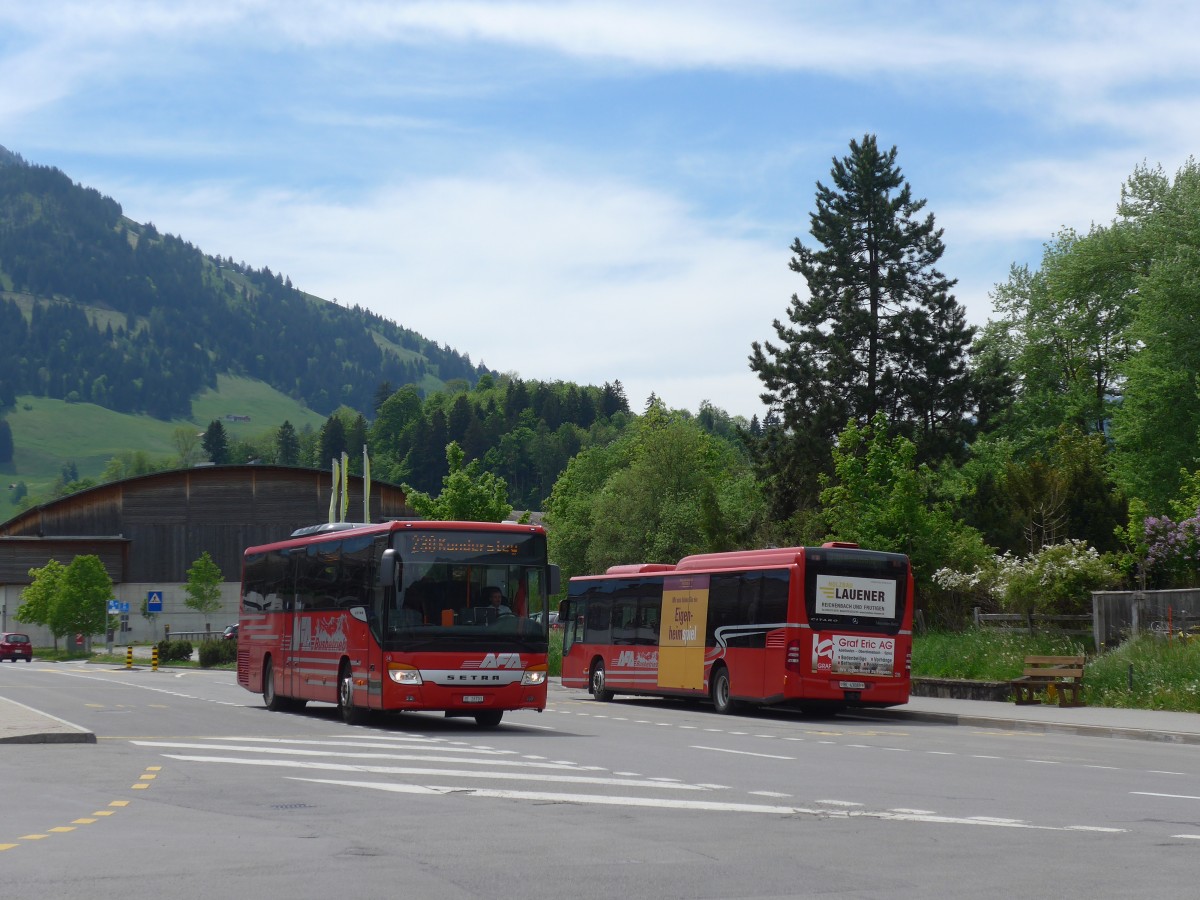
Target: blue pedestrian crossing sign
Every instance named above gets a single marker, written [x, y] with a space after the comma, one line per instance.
[114, 606]
[154, 601]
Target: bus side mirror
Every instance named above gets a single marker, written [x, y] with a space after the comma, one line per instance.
[553, 579]
[387, 568]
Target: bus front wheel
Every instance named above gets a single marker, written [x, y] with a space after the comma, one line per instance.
[489, 719]
[599, 691]
[351, 714]
[722, 701]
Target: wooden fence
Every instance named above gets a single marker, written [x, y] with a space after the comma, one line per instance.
[1032, 623]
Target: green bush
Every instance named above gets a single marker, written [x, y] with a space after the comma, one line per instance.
[174, 650]
[217, 652]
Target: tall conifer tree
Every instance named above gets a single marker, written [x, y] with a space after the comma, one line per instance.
[878, 332]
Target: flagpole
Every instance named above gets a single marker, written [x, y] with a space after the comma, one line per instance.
[366, 486]
[333, 494]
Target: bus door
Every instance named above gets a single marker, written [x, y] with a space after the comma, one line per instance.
[736, 637]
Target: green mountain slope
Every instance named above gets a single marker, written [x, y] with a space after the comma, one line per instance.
[97, 308]
[50, 434]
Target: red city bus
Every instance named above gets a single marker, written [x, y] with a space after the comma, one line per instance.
[822, 628]
[397, 617]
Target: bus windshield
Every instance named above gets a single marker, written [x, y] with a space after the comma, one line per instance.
[468, 587]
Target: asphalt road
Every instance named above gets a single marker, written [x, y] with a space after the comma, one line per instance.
[193, 789]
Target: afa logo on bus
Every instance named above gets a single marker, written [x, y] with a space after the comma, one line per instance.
[496, 661]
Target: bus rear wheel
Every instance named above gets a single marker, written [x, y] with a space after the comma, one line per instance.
[722, 701]
[596, 683]
[351, 714]
[271, 698]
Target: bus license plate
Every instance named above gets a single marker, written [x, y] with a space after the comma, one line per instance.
[852, 685]
[473, 698]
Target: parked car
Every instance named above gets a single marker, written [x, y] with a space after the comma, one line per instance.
[15, 646]
[231, 632]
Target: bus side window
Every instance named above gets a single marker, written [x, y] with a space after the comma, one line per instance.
[624, 619]
[649, 612]
[598, 623]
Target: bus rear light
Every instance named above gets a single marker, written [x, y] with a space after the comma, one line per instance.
[792, 661]
[533, 676]
[402, 674]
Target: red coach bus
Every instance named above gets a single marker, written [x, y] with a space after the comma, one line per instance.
[822, 628]
[443, 616]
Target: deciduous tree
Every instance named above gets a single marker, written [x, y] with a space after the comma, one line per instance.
[203, 587]
[468, 493]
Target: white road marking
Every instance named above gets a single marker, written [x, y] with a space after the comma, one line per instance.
[342, 754]
[741, 752]
[690, 805]
[457, 773]
[1170, 796]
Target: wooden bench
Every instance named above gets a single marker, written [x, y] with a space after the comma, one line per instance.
[1062, 673]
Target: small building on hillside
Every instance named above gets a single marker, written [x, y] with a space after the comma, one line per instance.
[149, 530]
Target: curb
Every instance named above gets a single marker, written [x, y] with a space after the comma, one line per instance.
[40, 728]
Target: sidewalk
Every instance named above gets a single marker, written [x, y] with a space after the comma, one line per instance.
[22, 724]
[1090, 721]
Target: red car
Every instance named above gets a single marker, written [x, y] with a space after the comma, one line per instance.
[15, 646]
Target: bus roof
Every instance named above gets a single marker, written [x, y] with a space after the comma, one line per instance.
[639, 568]
[316, 534]
[774, 556]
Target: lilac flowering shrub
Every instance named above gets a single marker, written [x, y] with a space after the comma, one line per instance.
[1173, 550]
[1168, 545]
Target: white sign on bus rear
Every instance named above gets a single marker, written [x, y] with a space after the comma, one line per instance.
[870, 598]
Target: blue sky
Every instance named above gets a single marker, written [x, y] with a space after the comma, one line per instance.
[591, 191]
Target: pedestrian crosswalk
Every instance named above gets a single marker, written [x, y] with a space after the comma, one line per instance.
[429, 765]
[432, 765]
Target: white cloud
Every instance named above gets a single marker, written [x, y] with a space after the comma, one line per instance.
[527, 272]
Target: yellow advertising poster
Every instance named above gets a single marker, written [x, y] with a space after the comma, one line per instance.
[681, 632]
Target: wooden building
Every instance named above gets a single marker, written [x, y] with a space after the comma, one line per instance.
[149, 530]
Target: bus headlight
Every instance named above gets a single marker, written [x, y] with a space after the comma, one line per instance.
[402, 674]
[534, 677]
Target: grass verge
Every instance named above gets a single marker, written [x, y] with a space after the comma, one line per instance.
[1147, 673]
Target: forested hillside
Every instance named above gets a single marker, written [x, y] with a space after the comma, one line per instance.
[97, 308]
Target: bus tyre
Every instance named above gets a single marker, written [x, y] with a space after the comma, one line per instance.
[722, 702]
[489, 719]
[596, 684]
[271, 698]
[351, 714]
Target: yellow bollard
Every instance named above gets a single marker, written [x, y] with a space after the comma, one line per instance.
[129, 657]
[154, 659]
